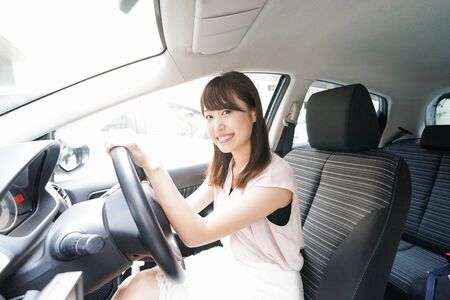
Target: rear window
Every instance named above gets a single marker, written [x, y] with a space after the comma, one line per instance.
[442, 113]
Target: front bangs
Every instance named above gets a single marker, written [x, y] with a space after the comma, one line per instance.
[218, 98]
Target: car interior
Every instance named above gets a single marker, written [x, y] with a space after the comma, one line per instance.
[356, 97]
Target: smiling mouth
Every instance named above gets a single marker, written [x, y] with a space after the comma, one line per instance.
[224, 138]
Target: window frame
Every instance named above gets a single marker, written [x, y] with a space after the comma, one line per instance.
[277, 97]
[430, 117]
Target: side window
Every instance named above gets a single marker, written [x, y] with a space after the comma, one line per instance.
[300, 135]
[266, 84]
[170, 120]
[442, 114]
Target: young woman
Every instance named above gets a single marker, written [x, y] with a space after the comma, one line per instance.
[256, 214]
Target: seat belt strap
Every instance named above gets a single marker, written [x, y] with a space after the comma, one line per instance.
[287, 136]
[401, 132]
[431, 281]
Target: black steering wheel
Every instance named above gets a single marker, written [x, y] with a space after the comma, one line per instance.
[154, 228]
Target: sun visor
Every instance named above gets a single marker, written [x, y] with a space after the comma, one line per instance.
[220, 25]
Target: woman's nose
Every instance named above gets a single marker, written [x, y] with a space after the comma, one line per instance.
[218, 125]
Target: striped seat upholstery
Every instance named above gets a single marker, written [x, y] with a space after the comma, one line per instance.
[338, 192]
[307, 166]
[353, 199]
[427, 231]
[412, 263]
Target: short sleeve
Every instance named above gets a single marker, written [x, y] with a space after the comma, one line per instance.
[277, 174]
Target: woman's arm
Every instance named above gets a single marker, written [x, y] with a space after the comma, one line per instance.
[201, 197]
[183, 215]
[180, 212]
[257, 203]
[194, 230]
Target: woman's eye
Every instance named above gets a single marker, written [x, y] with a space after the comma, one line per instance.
[226, 112]
[208, 117]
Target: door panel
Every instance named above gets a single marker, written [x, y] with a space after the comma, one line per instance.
[187, 179]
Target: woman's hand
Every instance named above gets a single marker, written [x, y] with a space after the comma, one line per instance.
[138, 149]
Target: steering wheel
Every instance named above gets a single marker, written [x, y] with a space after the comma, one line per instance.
[154, 228]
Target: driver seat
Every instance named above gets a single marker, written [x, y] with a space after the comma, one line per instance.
[354, 198]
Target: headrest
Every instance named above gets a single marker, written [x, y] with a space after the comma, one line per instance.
[436, 137]
[342, 119]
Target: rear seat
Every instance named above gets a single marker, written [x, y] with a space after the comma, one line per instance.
[426, 236]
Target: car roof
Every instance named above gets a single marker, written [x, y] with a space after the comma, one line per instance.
[396, 47]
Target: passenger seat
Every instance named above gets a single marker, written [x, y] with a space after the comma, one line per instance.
[426, 237]
[353, 197]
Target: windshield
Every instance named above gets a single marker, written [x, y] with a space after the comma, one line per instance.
[46, 45]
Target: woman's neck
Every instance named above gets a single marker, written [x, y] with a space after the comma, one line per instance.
[241, 157]
[239, 163]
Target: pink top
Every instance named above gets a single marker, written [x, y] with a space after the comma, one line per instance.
[264, 241]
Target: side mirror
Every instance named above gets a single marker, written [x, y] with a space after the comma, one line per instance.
[72, 158]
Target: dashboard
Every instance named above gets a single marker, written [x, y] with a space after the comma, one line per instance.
[28, 201]
[37, 232]
[18, 203]
[41, 238]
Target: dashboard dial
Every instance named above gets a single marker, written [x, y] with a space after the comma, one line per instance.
[8, 213]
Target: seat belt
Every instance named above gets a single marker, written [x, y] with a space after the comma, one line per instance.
[287, 136]
[433, 276]
[401, 132]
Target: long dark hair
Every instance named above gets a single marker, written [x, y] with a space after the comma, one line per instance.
[220, 94]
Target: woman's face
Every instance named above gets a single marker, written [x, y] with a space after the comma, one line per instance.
[230, 130]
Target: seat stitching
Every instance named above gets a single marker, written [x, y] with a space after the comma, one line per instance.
[429, 197]
[318, 184]
[382, 232]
